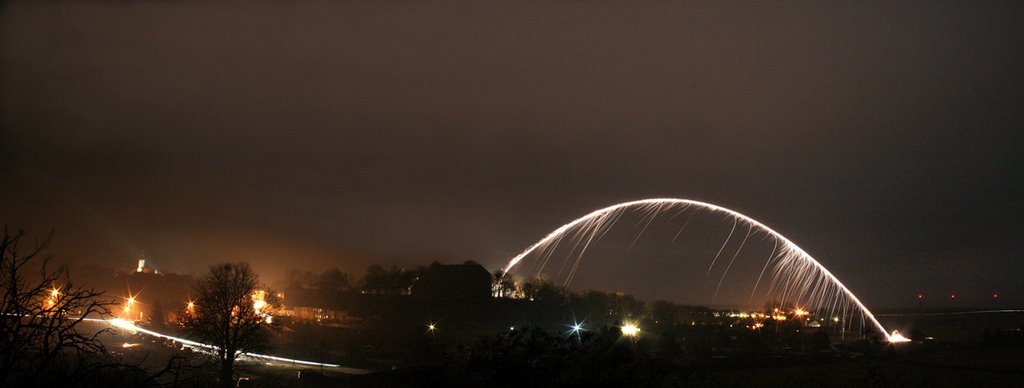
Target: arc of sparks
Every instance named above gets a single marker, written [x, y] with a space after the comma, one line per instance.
[792, 266]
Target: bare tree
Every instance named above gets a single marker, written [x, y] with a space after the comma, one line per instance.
[334, 280]
[41, 315]
[233, 312]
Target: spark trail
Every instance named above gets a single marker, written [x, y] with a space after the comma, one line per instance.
[796, 276]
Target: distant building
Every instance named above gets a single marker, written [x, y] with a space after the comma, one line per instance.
[142, 268]
[148, 294]
[459, 281]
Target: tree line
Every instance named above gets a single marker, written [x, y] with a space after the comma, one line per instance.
[540, 291]
[378, 279]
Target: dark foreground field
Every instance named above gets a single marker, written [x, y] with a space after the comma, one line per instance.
[950, 351]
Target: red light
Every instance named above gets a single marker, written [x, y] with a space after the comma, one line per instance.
[995, 296]
[920, 296]
[952, 296]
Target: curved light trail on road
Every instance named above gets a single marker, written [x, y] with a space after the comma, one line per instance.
[129, 326]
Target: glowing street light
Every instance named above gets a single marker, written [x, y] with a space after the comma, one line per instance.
[258, 305]
[575, 329]
[630, 329]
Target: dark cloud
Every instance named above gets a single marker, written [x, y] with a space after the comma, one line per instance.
[883, 139]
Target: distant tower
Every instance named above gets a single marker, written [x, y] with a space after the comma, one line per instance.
[142, 265]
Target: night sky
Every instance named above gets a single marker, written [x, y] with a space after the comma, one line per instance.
[883, 139]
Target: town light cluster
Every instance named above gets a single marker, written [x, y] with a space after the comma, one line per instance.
[259, 302]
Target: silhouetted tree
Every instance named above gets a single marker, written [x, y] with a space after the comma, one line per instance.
[297, 278]
[43, 341]
[544, 290]
[40, 318]
[334, 280]
[390, 280]
[228, 314]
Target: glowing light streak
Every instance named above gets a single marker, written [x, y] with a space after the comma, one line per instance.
[127, 325]
[749, 228]
[734, 221]
[896, 337]
[796, 271]
[770, 257]
[1006, 311]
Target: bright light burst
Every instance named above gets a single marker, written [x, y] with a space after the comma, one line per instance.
[796, 277]
[259, 301]
[630, 329]
[896, 337]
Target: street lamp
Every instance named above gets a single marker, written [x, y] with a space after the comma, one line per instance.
[630, 329]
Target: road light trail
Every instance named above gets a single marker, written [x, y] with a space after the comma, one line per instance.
[128, 325]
